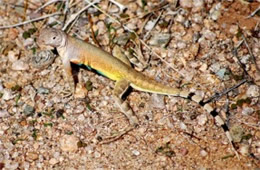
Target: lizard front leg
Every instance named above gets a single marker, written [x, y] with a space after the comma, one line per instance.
[120, 88]
[68, 74]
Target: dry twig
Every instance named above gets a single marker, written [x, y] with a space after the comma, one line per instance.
[74, 16]
[32, 20]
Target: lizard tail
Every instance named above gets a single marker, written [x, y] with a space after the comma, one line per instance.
[153, 86]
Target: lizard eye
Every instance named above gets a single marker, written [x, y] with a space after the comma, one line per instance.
[53, 38]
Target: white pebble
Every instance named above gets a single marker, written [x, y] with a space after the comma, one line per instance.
[53, 161]
[3, 113]
[7, 95]
[11, 56]
[247, 111]
[202, 119]
[20, 65]
[68, 143]
[203, 153]
[244, 150]
[136, 152]
[253, 91]
[185, 3]
[28, 42]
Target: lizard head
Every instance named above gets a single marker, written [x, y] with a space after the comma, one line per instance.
[51, 37]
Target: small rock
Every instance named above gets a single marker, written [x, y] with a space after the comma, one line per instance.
[183, 126]
[202, 119]
[245, 59]
[53, 161]
[237, 132]
[13, 33]
[184, 151]
[214, 67]
[7, 95]
[180, 18]
[156, 101]
[28, 110]
[150, 25]
[42, 59]
[253, 91]
[3, 113]
[247, 111]
[12, 57]
[11, 165]
[97, 154]
[136, 152]
[43, 90]
[185, 3]
[20, 65]
[31, 156]
[215, 12]
[203, 153]
[81, 118]
[160, 40]
[198, 4]
[244, 150]
[68, 143]
[234, 29]
[209, 35]
[221, 73]
[28, 42]
[181, 45]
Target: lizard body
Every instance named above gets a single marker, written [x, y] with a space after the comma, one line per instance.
[116, 68]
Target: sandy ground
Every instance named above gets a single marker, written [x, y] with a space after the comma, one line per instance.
[184, 44]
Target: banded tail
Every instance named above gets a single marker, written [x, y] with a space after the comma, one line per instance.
[149, 85]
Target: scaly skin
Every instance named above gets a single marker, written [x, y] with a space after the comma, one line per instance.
[76, 51]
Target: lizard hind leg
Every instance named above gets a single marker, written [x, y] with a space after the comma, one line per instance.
[121, 87]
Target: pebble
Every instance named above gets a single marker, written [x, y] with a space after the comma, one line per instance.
[160, 40]
[20, 65]
[42, 59]
[234, 29]
[203, 153]
[31, 156]
[214, 67]
[81, 118]
[150, 25]
[237, 133]
[253, 91]
[28, 42]
[3, 113]
[156, 101]
[53, 161]
[247, 111]
[185, 3]
[28, 110]
[215, 12]
[245, 59]
[68, 143]
[43, 90]
[221, 73]
[11, 165]
[183, 126]
[12, 56]
[209, 35]
[198, 4]
[136, 152]
[244, 150]
[181, 45]
[202, 119]
[7, 95]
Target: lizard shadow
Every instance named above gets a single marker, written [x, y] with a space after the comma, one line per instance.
[77, 67]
